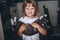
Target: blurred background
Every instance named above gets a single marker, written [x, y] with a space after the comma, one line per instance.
[10, 9]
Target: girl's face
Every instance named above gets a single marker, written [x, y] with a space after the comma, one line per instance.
[29, 10]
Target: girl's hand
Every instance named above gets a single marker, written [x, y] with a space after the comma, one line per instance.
[40, 29]
[35, 25]
[21, 29]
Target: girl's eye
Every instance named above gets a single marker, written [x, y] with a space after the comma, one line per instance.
[32, 8]
[27, 8]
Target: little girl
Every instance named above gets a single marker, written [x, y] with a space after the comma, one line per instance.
[30, 10]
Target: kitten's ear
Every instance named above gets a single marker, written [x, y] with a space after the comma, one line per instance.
[40, 17]
[45, 15]
[12, 22]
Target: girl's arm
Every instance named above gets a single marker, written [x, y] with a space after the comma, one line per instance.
[21, 29]
[40, 29]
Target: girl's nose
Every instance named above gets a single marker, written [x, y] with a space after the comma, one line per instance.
[29, 11]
